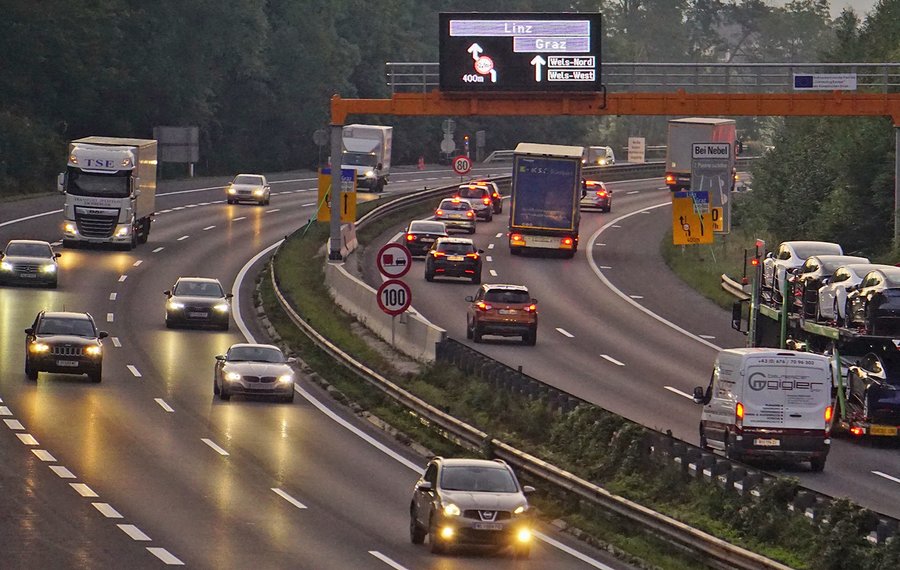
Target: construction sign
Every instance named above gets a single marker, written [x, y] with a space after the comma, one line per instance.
[692, 218]
[348, 195]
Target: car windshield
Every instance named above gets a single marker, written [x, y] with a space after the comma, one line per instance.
[461, 248]
[59, 325]
[449, 205]
[198, 289]
[507, 296]
[478, 479]
[29, 250]
[248, 179]
[428, 227]
[255, 354]
[472, 192]
[804, 251]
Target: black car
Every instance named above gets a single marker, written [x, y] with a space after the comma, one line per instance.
[453, 257]
[421, 234]
[873, 395]
[64, 342]
[874, 304]
[29, 262]
[197, 301]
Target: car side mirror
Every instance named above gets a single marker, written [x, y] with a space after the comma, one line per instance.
[770, 255]
[699, 395]
[102, 334]
[528, 489]
[220, 357]
[534, 301]
[29, 331]
[470, 299]
[167, 293]
[424, 486]
[61, 182]
[57, 255]
[291, 360]
[480, 251]
[228, 295]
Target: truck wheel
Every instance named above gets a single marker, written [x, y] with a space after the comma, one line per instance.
[817, 464]
[703, 443]
[145, 230]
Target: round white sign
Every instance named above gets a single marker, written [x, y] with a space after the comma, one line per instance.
[394, 297]
[462, 165]
[394, 260]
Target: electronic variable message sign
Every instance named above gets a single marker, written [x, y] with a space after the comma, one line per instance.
[486, 52]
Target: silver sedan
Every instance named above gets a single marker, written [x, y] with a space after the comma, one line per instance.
[254, 370]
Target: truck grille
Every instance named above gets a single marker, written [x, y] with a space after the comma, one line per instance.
[66, 351]
[92, 225]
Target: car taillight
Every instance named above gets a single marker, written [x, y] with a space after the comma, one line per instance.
[487, 201]
[601, 193]
[531, 308]
[856, 430]
[670, 179]
[828, 413]
[438, 212]
[739, 414]
[470, 214]
[410, 237]
[438, 253]
[472, 255]
[495, 196]
[482, 306]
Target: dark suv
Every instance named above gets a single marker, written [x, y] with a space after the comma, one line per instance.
[470, 501]
[64, 342]
[503, 310]
[453, 257]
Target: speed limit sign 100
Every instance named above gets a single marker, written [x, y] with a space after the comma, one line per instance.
[462, 165]
[394, 297]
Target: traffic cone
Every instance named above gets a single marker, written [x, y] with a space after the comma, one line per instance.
[421, 163]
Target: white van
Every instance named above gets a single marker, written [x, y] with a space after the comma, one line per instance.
[765, 402]
[598, 156]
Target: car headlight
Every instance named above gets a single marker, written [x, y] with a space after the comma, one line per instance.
[232, 376]
[40, 347]
[175, 305]
[48, 268]
[122, 231]
[523, 535]
[370, 174]
[520, 509]
[232, 190]
[258, 192]
[451, 510]
[221, 307]
[285, 378]
[6, 266]
[93, 351]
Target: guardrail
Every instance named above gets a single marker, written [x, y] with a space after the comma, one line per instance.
[734, 288]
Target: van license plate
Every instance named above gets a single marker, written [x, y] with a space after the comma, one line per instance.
[772, 442]
[883, 430]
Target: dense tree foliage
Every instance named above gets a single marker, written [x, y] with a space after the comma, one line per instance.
[256, 76]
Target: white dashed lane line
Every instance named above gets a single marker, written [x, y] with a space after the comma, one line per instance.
[606, 267]
[288, 498]
[493, 273]
[564, 332]
[499, 235]
[137, 263]
[213, 445]
[4, 411]
[162, 404]
[886, 476]
[239, 218]
[611, 359]
[387, 560]
[182, 238]
[679, 392]
[159, 249]
[116, 342]
[122, 278]
[44, 455]
[599, 245]
[134, 371]
[489, 259]
[307, 205]
[134, 532]
[110, 317]
[83, 490]
[167, 557]
[273, 210]
[490, 246]
[207, 228]
[633, 192]
[13, 424]
[62, 472]
[107, 510]
[27, 438]
[113, 296]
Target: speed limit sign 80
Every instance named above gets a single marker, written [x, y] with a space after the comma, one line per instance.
[462, 165]
[394, 297]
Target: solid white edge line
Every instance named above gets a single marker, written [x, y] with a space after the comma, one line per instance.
[284, 495]
[248, 336]
[387, 560]
[62, 472]
[162, 404]
[133, 369]
[134, 532]
[26, 218]
[679, 392]
[572, 552]
[167, 557]
[215, 447]
[886, 476]
[107, 510]
[625, 297]
[13, 424]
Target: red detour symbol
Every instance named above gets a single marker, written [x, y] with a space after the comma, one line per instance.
[394, 297]
[462, 165]
[394, 260]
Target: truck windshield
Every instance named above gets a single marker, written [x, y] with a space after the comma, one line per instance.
[99, 185]
[359, 159]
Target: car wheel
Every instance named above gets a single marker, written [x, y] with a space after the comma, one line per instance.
[30, 372]
[471, 231]
[215, 387]
[476, 279]
[96, 376]
[169, 324]
[229, 201]
[469, 334]
[289, 398]
[429, 276]
[530, 338]
[416, 531]
[54, 284]
[476, 333]
[490, 216]
[817, 464]
[223, 394]
[434, 541]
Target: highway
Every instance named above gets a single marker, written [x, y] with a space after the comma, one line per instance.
[619, 330]
[146, 469]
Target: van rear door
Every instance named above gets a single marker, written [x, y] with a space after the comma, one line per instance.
[786, 392]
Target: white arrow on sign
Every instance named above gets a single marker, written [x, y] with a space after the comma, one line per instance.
[475, 50]
[493, 76]
[538, 62]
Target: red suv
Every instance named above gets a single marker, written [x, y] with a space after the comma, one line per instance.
[502, 310]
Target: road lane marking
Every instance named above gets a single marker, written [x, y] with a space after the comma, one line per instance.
[113, 296]
[83, 490]
[192, 205]
[137, 263]
[599, 245]
[606, 267]
[706, 336]
[56, 244]
[4, 411]
[207, 228]
[488, 258]
[490, 246]
[134, 532]
[27, 438]
[238, 219]
[110, 317]
[122, 278]
[307, 205]
[182, 238]
[204, 203]
[107, 510]
[679, 392]
[116, 342]
[493, 273]
[288, 498]
[646, 212]
[615, 226]
[613, 360]
[159, 249]
[13, 424]
[633, 192]
[564, 332]
[273, 210]
[163, 211]
[886, 476]
[213, 445]
[572, 552]
[167, 557]
[499, 235]
[62, 472]
[133, 369]
[386, 560]
[178, 208]
[636, 296]
[44, 455]
[162, 404]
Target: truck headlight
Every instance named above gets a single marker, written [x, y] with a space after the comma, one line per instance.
[232, 376]
[70, 229]
[122, 231]
[370, 174]
[93, 351]
[175, 305]
[48, 268]
[285, 378]
[6, 266]
[221, 307]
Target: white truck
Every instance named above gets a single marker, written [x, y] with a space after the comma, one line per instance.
[367, 150]
[110, 189]
[683, 133]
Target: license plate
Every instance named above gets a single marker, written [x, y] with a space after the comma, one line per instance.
[507, 311]
[773, 442]
[198, 315]
[541, 239]
[883, 430]
[68, 363]
[427, 240]
[455, 258]
[488, 526]
[27, 275]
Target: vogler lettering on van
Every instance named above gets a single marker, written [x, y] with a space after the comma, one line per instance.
[758, 381]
